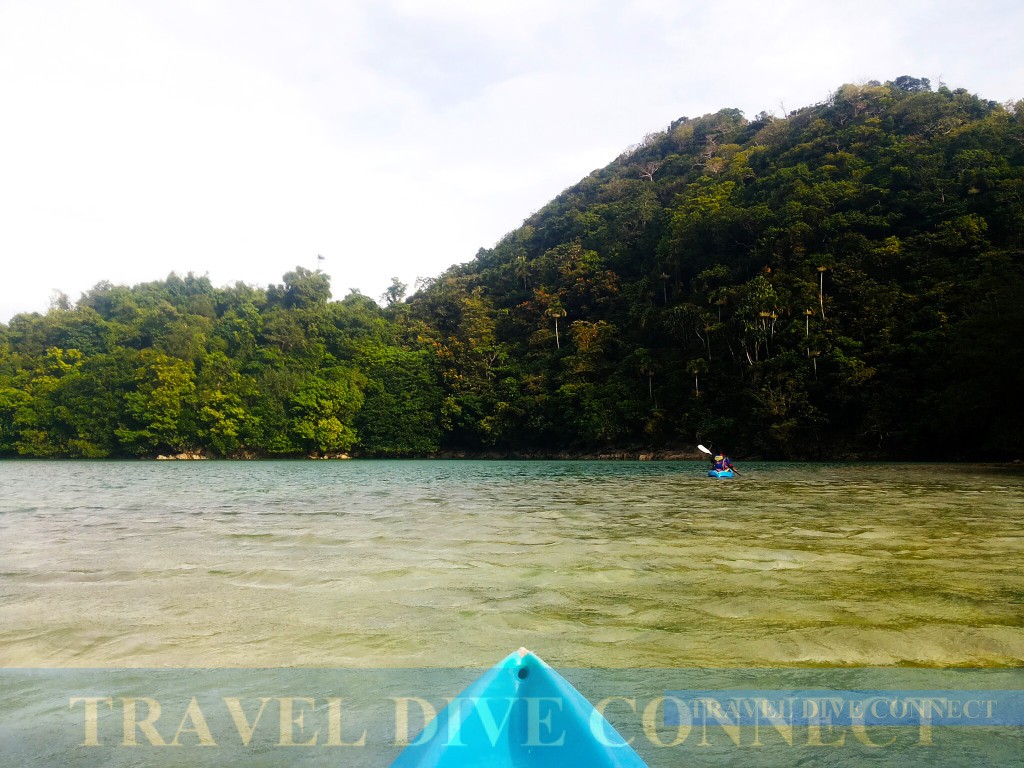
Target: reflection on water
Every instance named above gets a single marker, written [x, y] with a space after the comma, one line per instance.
[432, 563]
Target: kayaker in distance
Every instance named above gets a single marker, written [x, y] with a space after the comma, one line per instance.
[720, 463]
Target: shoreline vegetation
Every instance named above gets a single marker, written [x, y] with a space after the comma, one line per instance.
[608, 455]
[633, 454]
[845, 281]
[629, 455]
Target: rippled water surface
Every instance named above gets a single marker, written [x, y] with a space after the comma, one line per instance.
[434, 563]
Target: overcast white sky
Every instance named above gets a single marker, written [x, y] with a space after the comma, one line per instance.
[238, 138]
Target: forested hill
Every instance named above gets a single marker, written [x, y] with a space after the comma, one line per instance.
[844, 281]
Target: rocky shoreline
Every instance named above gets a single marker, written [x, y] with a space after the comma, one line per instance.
[632, 454]
[241, 456]
[625, 455]
[183, 456]
[606, 455]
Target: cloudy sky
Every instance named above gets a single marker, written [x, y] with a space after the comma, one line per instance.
[240, 138]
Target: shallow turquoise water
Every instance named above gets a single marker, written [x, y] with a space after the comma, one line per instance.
[454, 563]
[365, 581]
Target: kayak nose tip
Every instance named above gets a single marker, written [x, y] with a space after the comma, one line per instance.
[523, 671]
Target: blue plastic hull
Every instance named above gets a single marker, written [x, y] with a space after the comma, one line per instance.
[721, 473]
[519, 713]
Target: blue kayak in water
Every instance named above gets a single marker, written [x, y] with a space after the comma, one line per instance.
[522, 713]
[721, 473]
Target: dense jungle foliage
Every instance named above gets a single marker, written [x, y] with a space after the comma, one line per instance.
[844, 281]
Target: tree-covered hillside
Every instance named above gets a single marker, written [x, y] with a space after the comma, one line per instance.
[847, 280]
[180, 365]
[843, 281]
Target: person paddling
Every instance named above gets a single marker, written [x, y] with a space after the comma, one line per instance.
[720, 463]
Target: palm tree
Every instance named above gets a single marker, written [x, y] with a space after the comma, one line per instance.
[697, 366]
[664, 286]
[556, 310]
[821, 289]
[807, 328]
[522, 269]
[647, 367]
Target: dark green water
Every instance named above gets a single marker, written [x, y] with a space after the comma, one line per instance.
[370, 565]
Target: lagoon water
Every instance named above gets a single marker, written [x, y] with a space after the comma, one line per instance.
[168, 591]
[454, 563]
